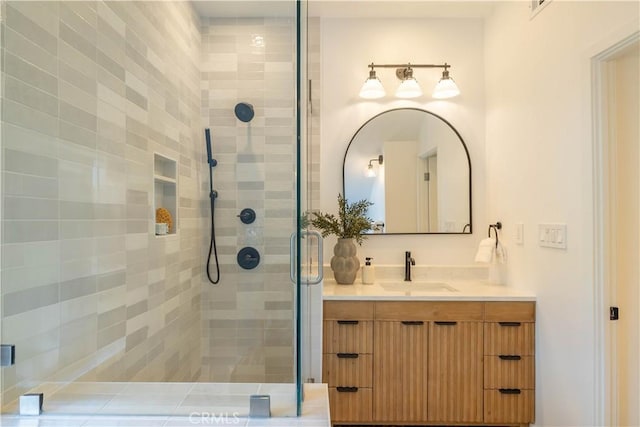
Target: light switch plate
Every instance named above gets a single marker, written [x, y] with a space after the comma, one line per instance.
[519, 237]
[552, 235]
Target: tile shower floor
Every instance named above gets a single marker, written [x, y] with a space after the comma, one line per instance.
[170, 404]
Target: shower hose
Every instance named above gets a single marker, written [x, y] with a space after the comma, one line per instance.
[212, 242]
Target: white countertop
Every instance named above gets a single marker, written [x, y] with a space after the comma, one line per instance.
[437, 290]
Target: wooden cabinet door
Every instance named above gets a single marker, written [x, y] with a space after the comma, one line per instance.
[455, 373]
[400, 371]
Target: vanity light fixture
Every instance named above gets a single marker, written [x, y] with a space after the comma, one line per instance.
[409, 87]
[371, 172]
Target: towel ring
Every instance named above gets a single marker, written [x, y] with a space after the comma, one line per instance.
[497, 226]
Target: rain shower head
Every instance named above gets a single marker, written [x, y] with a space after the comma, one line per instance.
[244, 111]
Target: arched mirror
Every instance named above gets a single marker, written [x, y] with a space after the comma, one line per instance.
[415, 168]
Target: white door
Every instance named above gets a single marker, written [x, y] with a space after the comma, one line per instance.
[433, 193]
[427, 199]
[400, 188]
[623, 112]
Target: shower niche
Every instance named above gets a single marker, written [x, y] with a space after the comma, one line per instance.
[165, 197]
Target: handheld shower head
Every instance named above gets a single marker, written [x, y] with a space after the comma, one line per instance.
[207, 134]
[213, 195]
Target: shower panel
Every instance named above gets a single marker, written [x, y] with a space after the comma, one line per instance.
[93, 94]
[250, 320]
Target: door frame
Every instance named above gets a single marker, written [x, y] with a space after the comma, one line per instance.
[605, 411]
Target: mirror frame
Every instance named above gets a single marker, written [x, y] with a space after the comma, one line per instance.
[466, 151]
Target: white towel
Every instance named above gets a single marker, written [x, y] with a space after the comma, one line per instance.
[486, 250]
[489, 252]
[501, 254]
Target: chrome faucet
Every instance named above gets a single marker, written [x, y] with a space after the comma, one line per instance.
[408, 262]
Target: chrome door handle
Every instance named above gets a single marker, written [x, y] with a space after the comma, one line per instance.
[312, 280]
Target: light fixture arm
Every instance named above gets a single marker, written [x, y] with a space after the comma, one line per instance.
[409, 65]
[378, 159]
[405, 71]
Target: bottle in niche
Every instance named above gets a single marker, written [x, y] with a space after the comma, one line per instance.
[368, 272]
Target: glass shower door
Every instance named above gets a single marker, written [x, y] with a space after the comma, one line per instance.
[307, 248]
[98, 305]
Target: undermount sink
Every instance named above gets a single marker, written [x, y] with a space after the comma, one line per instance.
[417, 287]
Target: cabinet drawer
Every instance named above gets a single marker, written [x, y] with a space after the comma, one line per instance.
[347, 369]
[348, 310]
[347, 336]
[514, 311]
[432, 310]
[350, 405]
[508, 406]
[507, 371]
[509, 338]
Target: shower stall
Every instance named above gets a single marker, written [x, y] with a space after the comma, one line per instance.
[104, 111]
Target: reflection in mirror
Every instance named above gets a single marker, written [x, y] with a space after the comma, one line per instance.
[415, 168]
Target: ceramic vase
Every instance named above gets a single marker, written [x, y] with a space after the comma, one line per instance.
[345, 263]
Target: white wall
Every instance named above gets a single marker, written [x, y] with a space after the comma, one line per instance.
[348, 46]
[539, 169]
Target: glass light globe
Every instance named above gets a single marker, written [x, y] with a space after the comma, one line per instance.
[409, 88]
[371, 173]
[372, 89]
[446, 88]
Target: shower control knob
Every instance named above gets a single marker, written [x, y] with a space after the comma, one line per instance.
[248, 258]
[247, 215]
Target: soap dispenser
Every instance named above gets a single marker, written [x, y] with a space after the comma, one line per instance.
[368, 272]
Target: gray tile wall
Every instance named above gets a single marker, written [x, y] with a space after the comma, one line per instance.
[90, 90]
[248, 320]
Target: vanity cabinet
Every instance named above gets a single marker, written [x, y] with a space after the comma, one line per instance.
[449, 362]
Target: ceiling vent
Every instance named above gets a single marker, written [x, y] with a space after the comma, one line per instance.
[537, 6]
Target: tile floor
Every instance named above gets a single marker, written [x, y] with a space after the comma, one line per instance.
[170, 405]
